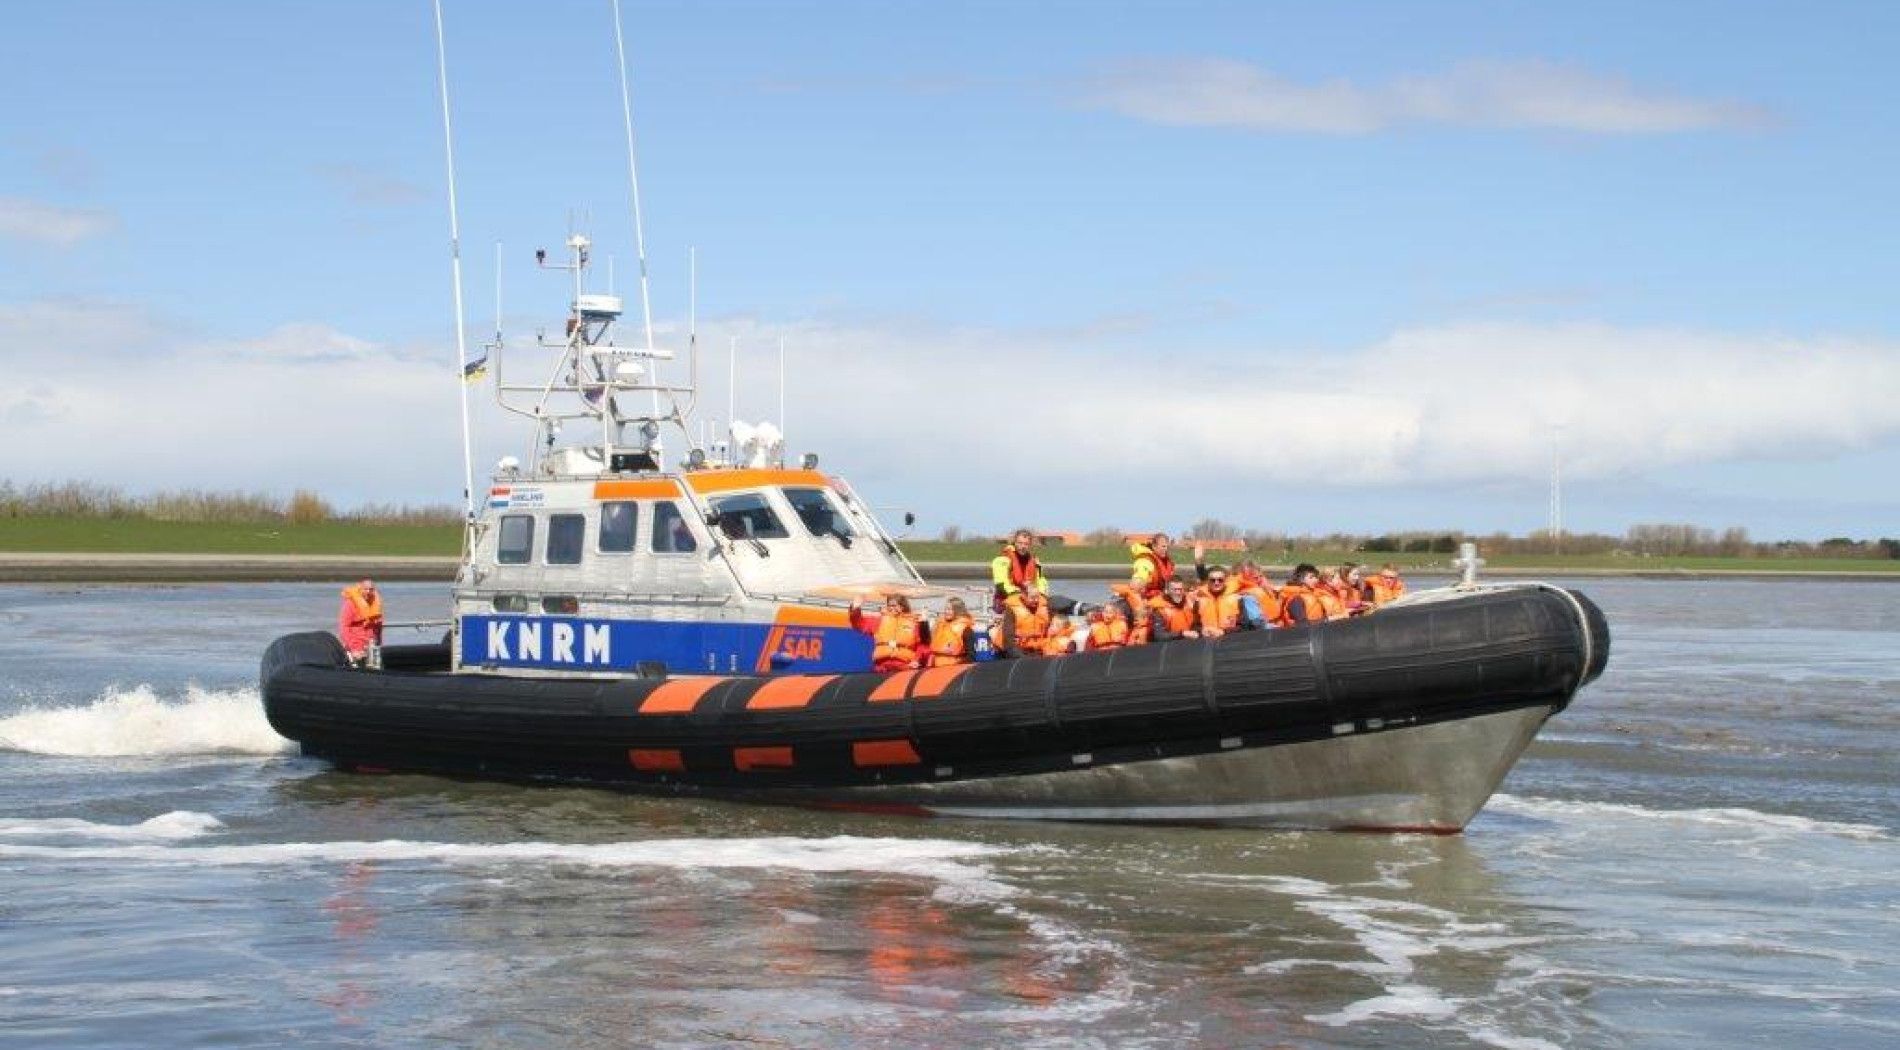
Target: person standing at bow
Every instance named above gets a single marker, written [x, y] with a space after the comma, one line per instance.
[359, 622]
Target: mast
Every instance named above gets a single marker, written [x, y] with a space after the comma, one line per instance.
[455, 267]
[633, 181]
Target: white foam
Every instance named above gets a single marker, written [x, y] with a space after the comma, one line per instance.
[1722, 817]
[944, 861]
[175, 826]
[137, 722]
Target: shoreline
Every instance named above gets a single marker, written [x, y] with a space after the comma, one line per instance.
[38, 567]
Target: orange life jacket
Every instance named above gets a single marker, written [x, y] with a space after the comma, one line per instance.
[1179, 618]
[1263, 593]
[1330, 600]
[1031, 627]
[1217, 613]
[1108, 632]
[1059, 643]
[946, 641]
[367, 608]
[1385, 588]
[1304, 599]
[1163, 569]
[1024, 570]
[896, 640]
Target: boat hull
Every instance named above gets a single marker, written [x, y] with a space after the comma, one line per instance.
[1404, 720]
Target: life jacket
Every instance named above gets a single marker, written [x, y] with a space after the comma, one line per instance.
[1330, 600]
[1216, 613]
[1024, 570]
[947, 641]
[1179, 618]
[1059, 643]
[364, 608]
[1030, 627]
[896, 640]
[1303, 598]
[1162, 566]
[1108, 632]
[1264, 594]
[1385, 588]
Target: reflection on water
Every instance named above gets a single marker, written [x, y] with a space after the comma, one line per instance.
[1701, 852]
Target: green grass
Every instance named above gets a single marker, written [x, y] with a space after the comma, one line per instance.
[134, 536]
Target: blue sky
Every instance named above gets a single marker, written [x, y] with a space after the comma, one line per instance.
[1302, 267]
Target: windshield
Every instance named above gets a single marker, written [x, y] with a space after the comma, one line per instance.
[820, 515]
[748, 517]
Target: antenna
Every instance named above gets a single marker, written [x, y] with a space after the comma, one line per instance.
[633, 181]
[455, 267]
[781, 399]
[497, 294]
[1556, 494]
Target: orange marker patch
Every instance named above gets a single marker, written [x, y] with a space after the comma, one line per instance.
[747, 759]
[656, 760]
[892, 688]
[934, 681]
[727, 480]
[634, 489]
[677, 697]
[790, 691]
[884, 753]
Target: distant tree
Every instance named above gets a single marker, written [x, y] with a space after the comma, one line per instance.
[1889, 548]
[1106, 536]
[1213, 529]
[950, 534]
[307, 508]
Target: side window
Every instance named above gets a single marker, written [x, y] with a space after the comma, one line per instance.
[816, 511]
[515, 545]
[671, 534]
[748, 516]
[566, 533]
[618, 525]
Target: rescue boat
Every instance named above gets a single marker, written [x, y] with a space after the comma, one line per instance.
[632, 618]
[684, 629]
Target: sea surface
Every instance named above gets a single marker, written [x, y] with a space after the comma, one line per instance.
[1703, 851]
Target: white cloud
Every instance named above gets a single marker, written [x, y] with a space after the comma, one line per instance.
[1219, 92]
[971, 421]
[27, 220]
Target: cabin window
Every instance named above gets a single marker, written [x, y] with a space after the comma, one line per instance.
[515, 545]
[511, 603]
[748, 517]
[820, 515]
[566, 534]
[617, 527]
[671, 534]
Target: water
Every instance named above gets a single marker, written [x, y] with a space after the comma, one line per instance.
[1704, 851]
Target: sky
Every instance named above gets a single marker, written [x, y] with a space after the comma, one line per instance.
[1308, 268]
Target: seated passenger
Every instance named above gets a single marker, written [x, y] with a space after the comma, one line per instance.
[1060, 641]
[1258, 599]
[1218, 606]
[1023, 626]
[1330, 594]
[1171, 615]
[1149, 574]
[953, 640]
[1300, 600]
[1386, 586]
[1108, 627]
[897, 631]
[1358, 593]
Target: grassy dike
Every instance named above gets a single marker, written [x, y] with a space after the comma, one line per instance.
[217, 551]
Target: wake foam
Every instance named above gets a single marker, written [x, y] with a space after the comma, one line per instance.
[137, 722]
[167, 827]
[952, 863]
[1724, 817]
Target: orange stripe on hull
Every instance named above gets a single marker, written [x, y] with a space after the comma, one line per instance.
[893, 687]
[748, 759]
[657, 760]
[884, 753]
[934, 681]
[678, 697]
[790, 691]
